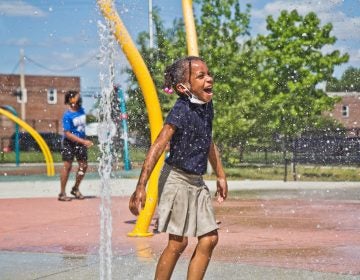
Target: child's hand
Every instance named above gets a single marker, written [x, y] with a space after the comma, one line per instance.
[137, 201]
[219, 199]
[222, 189]
[88, 143]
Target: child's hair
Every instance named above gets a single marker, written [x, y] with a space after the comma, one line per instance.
[70, 94]
[179, 71]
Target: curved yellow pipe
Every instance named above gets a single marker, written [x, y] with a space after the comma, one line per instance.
[152, 105]
[191, 37]
[42, 144]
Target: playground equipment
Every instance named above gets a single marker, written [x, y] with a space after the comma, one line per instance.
[150, 96]
[152, 105]
[191, 37]
[42, 144]
[124, 117]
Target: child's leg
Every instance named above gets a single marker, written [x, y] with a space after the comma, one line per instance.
[202, 254]
[169, 256]
[64, 175]
[80, 173]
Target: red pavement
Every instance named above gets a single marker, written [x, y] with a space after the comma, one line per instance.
[313, 235]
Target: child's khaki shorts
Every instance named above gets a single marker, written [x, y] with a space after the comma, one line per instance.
[185, 206]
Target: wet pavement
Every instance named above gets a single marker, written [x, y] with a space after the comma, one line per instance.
[268, 230]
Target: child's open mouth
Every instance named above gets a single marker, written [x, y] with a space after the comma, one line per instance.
[208, 90]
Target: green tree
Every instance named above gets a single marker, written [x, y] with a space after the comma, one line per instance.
[263, 86]
[349, 81]
[290, 66]
[169, 45]
[220, 24]
[222, 27]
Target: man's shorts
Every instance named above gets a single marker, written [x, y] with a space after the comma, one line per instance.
[71, 150]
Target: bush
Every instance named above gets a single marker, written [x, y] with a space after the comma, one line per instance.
[28, 143]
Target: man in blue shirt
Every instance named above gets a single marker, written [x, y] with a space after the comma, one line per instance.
[75, 144]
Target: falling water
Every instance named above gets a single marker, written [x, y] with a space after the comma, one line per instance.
[106, 131]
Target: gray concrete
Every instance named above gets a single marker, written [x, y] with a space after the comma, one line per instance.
[42, 186]
[29, 266]
[25, 265]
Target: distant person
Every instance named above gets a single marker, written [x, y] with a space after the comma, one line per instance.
[75, 144]
[185, 206]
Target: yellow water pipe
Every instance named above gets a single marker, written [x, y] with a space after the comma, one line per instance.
[152, 105]
[191, 37]
[42, 144]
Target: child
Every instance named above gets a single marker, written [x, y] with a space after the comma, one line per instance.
[74, 144]
[185, 207]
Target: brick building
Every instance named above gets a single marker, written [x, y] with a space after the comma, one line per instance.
[44, 106]
[347, 111]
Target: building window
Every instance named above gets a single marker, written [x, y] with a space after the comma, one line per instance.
[345, 111]
[21, 95]
[52, 96]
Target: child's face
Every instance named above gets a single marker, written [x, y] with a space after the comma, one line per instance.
[74, 101]
[201, 81]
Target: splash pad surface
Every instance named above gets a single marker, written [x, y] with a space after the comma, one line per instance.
[295, 231]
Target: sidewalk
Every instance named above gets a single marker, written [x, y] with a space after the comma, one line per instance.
[269, 230]
[43, 186]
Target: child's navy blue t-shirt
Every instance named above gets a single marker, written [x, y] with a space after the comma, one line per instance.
[189, 146]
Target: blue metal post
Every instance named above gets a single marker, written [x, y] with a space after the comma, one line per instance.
[124, 117]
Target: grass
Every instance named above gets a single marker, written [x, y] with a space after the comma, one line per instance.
[303, 173]
[251, 172]
[137, 155]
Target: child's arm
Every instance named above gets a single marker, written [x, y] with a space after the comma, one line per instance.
[79, 140]
[221, 183]
[138, 198]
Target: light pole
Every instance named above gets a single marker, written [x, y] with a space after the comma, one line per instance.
[23, 97]
[151, 42]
